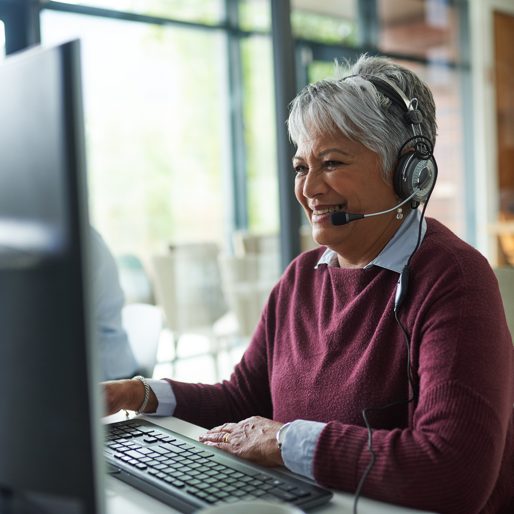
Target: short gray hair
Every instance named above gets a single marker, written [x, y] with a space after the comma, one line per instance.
[351, 105]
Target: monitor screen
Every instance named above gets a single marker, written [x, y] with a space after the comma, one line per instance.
[50, 434]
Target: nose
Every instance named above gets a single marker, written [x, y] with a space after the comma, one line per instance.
[313, 184]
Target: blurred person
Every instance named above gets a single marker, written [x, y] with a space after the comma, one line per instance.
[116, 357]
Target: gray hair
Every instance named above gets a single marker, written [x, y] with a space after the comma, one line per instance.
[352, 106]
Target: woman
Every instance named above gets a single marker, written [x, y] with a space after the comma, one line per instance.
[345, 352]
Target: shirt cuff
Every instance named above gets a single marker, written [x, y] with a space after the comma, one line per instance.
[299, 444]
[166, 401]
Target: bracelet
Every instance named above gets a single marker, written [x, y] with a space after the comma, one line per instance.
[143, 380]
[280, 435]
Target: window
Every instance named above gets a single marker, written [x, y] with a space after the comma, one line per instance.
[209, 12]
[156, 126]
[329, 22]
[260, 138]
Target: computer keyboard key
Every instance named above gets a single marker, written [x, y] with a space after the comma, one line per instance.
[248, 497]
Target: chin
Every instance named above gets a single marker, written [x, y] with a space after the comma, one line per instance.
[329, 236]
[320, 236]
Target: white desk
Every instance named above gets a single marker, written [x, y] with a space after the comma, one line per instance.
[124, 499]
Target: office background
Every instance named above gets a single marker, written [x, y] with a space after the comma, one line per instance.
[188, 156]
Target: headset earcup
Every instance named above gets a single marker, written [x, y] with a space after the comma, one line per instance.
[414, 174]
[402, 179]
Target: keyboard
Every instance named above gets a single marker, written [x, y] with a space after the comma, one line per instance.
[188, 475]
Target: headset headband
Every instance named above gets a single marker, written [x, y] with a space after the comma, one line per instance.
[391, 90]
[410, 107]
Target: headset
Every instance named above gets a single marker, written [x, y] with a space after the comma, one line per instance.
[415, 174]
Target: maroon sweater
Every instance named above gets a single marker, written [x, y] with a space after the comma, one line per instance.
[328, 346]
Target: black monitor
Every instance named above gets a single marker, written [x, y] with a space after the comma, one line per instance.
[50, 433]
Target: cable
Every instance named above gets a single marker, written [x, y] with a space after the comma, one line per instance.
[410, 376]
[365, 411]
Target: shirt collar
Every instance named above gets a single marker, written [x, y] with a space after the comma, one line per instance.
[396, 253]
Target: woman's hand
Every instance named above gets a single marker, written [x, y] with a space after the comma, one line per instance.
[253, 439]
[126, 394]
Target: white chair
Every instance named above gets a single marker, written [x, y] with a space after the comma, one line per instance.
[505, 276]
[143, 324]
[187, 286]
[249, 243]
[306, 241]
[256, 243]
[247, 281]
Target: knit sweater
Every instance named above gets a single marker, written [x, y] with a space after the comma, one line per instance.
[328, 345]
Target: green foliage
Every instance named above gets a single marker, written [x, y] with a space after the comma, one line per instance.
[323, 28]
[319, 70]
[259, 134]
[254, 15]
[209, 12]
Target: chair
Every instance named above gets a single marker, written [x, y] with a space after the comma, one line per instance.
[247, 281]
[187, 286]
[246, 243]
[306, 241]
[143, 324]
[255, 243]
[505, 276]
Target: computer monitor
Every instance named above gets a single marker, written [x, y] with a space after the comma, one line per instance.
[50, 430]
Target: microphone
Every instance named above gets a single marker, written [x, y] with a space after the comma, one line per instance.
[342, 218]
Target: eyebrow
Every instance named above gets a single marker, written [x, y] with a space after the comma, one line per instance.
[325, 152]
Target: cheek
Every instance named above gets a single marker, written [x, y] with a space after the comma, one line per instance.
[382, 195]
[298, 191]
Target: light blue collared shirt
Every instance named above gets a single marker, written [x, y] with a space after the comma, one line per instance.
[116, 357]
[301, 436]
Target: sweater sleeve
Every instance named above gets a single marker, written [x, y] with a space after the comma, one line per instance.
[245, 394]
[448, 458]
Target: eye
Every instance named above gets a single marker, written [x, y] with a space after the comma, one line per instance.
[330, 165]
[300, 169]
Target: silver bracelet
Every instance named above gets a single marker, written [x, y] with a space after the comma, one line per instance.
[280, 435]
[143, 380]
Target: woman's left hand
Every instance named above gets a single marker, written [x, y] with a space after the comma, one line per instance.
[252, 439]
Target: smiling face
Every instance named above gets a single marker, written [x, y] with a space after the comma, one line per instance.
[336, 173]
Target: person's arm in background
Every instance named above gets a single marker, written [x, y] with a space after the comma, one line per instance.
[116, 357]
[245, 394]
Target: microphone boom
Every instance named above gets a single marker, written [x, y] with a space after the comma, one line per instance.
[342, 218]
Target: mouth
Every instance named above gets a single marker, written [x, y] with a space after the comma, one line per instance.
[320, 216]
[327, 210]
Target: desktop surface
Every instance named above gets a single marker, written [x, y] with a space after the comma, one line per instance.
[125, 499]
